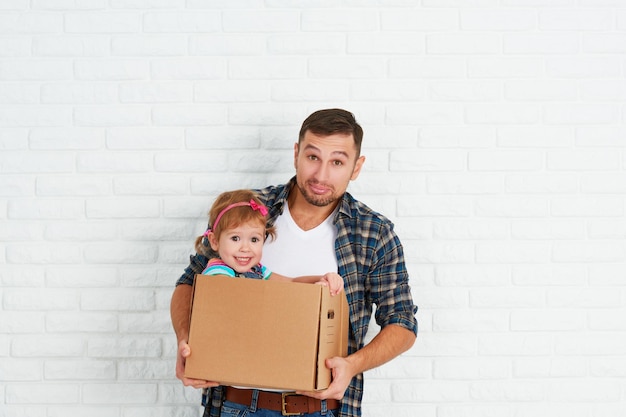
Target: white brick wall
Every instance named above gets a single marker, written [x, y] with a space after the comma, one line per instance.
[496, 140]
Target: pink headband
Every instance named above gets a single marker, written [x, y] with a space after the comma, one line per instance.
[253, 204]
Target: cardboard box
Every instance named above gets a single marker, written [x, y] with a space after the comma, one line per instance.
[265, 334]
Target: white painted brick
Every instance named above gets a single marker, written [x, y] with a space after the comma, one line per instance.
[102, 22]
[604, 43]
[34, 116]
[583, 298]
[94, 411]
[15, 46]
[471, 368]
[456, 137]
[345, 20]
[188, 68]
[262, 21]
[114, 253]
[581, 113]
[177, 22]
[480, 321]
[124, 347]
[111, 115]
[344, 67]
[472, 275]
[75, 93]
[187, 115]
[13, 138]
[504, 160]
[83, 369]
[548, 275]
[111, 69]
[605, 251]
[466, 183]
[150, 185]
[463, 44]
[424, 114]
[503, 113]
[553, 183]
[547, 229]
[47, 254]
[465, 91]
[576, 20]
[71, 46]
[21, 93]
[602, 206]
[218, 44]
[30, 23]
[536, 137]
[68, 4]
[65, 139]
[511, 206]
[539, 367]
[456, 410]
[42, 394]
[498, 20]
[548, 320]
[434, 206]
[505, 298]
[199, 161]
[503, 391]
[72, 186]
[540, 43]
[419, 20]
[430, 391]
[317, 43]
[535, 90]
[39, 298]
[138, 323]
[514, 344]
[72, 277]
[131, 208]
[145, 370]
[45, 209]
[233, 91]
[15, 276]
[512, 252]
[437, 252]
[130, 138]
[155, 45]
[62, 322]
[16, 186]
[607, 229]
[583, 66]
[586, 160]
[386, 44]
[46, 346]
[601, 90]
[426, 67]
[119, 393]
[504, 67]
[20, 370]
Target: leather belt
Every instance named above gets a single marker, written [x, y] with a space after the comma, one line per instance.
[289, 403]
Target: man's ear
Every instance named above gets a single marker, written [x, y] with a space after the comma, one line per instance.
[296, 150]
[357, 167]
[213, 241]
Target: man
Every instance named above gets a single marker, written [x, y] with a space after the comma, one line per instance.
[320, 227]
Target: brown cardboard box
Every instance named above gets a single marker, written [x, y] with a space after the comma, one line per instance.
[265, 334]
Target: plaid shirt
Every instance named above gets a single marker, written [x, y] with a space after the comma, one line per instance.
[371, 262]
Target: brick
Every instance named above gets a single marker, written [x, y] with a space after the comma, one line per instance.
[177, 22]
[463, 44]
[576, 20]
[129, 208]
[431, 67]
[113, 253]
[83, 93]
[152, 138]
[498, 20]
[219, 44]
[111, 116]
[30, 23]
[62, 322]
[154, 45]
[188, 68]
[68, 253]
[73, 186]
[42, 394]
[423, 19]
[85, 370]
[28, 346]
[71, 46]
[317, 43]
[344, 20]
[19, 93]
[111, 70]
[119, 393]
[540, 43]
[124, 347]
[583, 66]
[504, 67]
[103, 22]
[41, 298]
[262, 21]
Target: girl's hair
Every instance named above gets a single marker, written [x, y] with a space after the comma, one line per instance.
[232, 217]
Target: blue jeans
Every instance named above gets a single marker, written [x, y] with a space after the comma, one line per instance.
[230, 409]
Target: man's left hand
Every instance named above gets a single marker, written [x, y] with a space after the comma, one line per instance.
[341, 369]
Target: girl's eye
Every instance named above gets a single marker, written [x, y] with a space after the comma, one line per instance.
[255, 239]
[235, 238]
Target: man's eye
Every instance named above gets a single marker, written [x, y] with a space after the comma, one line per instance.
[312, 157]
[338, 163]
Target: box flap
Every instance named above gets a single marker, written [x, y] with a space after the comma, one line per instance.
[333, 340]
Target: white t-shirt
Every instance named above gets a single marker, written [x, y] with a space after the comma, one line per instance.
[296, 252]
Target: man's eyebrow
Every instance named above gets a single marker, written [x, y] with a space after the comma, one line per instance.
[315, 148]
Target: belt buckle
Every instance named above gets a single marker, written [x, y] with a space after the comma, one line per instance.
[284, 404]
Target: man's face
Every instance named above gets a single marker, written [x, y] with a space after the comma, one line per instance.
[325, 165]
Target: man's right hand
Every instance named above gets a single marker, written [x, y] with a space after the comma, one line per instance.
[183, 352]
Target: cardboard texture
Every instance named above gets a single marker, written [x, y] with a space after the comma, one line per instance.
[265, 334]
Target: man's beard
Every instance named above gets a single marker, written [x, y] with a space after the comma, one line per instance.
[319, 201]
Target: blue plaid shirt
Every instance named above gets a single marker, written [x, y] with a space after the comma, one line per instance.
[371, 262]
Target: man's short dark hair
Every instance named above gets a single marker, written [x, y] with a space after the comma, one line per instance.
[330, 121]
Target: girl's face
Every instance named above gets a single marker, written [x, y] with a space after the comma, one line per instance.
[241, 247]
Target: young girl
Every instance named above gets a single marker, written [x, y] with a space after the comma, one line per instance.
[237, 234]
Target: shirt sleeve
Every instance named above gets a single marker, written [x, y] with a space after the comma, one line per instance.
[216, 267]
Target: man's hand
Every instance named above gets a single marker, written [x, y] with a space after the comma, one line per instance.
[342, 372]
[183, 353]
